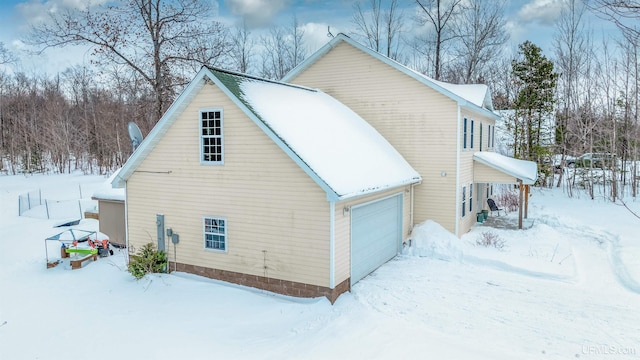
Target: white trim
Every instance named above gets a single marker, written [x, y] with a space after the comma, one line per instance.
[458, 154]
[200, 111]
[332, 245]
[226, 234]
[126, 224]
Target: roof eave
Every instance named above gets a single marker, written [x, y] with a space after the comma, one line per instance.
[525, 180]
[159, 129]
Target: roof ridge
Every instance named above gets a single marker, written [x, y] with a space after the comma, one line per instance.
[257, 78]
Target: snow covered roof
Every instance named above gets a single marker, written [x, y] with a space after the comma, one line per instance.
[525, 170]
[474, 96]
[338, 149]
[107, 192]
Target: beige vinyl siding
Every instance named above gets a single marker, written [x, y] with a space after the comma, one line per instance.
[418, 121]
[277, 216]
[343, 228]
[468, 170]
[485, 174]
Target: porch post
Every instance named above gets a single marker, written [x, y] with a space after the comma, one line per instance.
[520, 204]
[526, 201]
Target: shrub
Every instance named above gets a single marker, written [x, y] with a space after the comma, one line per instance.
[508, 199]
[489, 239]
[146, 261]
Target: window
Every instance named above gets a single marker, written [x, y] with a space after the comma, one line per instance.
[489, 136]
[493, 136]
[215, 233]
[471, 198]
[464, 134]
[480, 137]
[211, 136]
[471, 139]
[464, 200]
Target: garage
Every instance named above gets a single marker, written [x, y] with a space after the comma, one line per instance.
[376, 235]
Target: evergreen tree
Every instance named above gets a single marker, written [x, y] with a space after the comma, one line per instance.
[534, 103]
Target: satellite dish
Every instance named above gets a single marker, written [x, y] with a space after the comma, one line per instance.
[135, 135]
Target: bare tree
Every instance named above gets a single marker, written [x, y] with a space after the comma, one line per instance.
[439, 14]
[480, 28]
[152, 37]
[242, 45]
[283, 49]
[572, 51]
[6, 57]
[380, 29]
[369, 23]
[624, 13]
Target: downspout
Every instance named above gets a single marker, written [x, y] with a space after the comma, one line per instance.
[332, 245]
[411, 209]
[458, 150]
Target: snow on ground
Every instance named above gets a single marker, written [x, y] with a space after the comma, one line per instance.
[565, 288]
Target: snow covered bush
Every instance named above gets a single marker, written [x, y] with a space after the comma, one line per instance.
[146, 261]
[430, 239]
[489, 239]
[508, 200]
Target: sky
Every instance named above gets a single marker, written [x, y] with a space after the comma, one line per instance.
[531, 20]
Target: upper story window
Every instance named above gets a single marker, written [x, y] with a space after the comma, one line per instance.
[480, 142]
[489, 136]
[211, 142]
[471, 137]
[493, 136]
[464, 134]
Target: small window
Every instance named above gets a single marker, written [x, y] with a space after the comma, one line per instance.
[480, 142]
[489, 136]
[464, 200]
[464, 134]
[215, 233]
[211, 136]
[471, 198]
[471, 139]
[493, 136]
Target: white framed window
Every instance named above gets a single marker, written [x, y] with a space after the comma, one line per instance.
[471, 198]
[464, 134]
[489, 136]
[493, 136]
[464, 201]
[480, 142]
[211, 137]
[471, 137]
[215, 233]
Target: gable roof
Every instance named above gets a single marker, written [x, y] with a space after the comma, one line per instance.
[525, 170]
[338, 149]
[474, 96]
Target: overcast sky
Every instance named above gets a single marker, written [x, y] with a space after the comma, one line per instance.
[527, 20]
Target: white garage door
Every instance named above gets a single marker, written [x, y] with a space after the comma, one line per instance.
[376, 235]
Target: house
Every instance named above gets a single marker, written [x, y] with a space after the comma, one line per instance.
[439, 128]
[267, 184]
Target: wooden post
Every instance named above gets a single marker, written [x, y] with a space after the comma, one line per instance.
[520, 204]
[526, 201]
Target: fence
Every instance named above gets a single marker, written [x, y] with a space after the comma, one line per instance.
[29, 200]
[38, 206]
